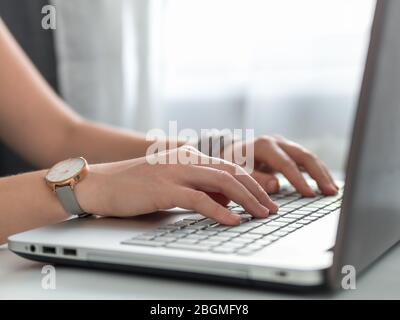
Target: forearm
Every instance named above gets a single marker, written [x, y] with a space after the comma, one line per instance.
[39, 126]
[101, 143]
[26, 203]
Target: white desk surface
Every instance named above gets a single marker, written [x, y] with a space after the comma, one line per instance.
[21, 279]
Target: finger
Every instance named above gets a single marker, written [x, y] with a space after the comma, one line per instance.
[236, 171]
[248, 181]
[269, 152]
[329, 175]
[284, 142]
[199, 201]
[311, 164]
[214, 180]
[268, 181]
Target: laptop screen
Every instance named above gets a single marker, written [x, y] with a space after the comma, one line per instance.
[370, 220]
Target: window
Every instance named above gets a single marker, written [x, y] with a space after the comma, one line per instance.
[284, 66]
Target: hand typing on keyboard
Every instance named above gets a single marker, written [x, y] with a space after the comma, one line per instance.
[277, 154]
[137, 186]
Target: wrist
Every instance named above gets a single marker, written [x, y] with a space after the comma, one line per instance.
[90, 192]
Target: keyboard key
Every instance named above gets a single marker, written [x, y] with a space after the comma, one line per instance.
[304, 210]
[280, 233]
[263, 242]
[291, 228]
[284, 209]
[218, 227]
[196, 236]
[145, 237]
[304, 222]
[184, 222]
[269, 218]
[276, 223]
[254, 223]
[206, 222]
[296, 225]
[178, 235]
[265, 229]
[310, 218]
[230, 244]
[186, 241]
[196, 227]
[293, 216]
[284, 219]
[254, 246]
[194, 247]
[238, 210]
[209, 243]
[183, 232]
[223, 237]
[166, 239]
[207, 232]
[242, 240]
[244, 219]
[317, 214]
[272, 237]
[323, 211]
[241, 229]
[331, 207]
[169, 227]
[249, 236]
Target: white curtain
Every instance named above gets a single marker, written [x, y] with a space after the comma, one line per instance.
[287, 66]
[107, 54]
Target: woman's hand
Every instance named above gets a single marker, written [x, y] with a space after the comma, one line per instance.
[279, 155]
[136, 187]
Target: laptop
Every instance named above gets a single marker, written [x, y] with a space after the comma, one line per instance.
[310, 243]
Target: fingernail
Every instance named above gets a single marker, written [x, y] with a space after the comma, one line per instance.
[330, 188]
[264, 211]
[237, 217]
[276, 207]
[311, 193]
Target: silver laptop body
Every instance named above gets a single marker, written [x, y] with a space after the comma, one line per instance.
[305, 246]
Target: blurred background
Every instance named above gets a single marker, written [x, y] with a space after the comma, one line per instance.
[290, 67]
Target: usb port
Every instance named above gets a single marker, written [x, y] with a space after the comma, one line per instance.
[69, 252]
[49, 250]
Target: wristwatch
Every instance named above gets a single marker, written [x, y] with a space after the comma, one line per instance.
[63, 177]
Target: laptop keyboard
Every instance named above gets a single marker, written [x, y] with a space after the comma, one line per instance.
[198, 233]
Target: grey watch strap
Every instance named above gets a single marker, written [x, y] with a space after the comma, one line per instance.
[68, 200]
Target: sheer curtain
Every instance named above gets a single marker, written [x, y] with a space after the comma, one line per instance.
[108, 59]
[288, 66]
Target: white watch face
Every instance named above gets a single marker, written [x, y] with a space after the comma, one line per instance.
[65, 170]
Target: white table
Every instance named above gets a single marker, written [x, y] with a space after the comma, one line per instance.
[21, 279]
